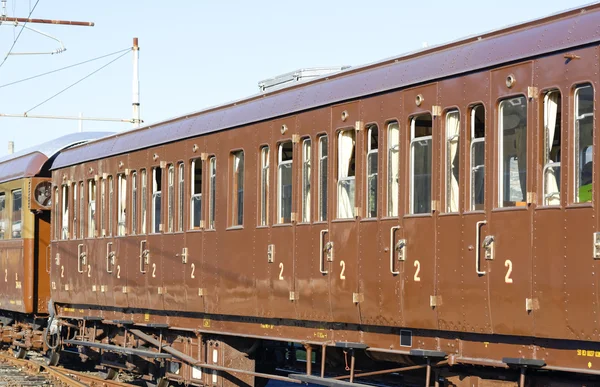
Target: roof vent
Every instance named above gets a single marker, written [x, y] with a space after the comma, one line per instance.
[302, 75]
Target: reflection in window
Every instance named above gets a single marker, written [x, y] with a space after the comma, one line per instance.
[171, 198]
[323, 144]
[2, 214]
[134, 203]
[237, 195]
[212, 191]
[111, 205]
[81, 209]
[393, 148]
[513, 152]
[584, 143]
[196, 200]
[156, 199]
[346, 173]
[452, 160]
[551, 165]
[144, 201]
[122, 205]
[306, 149]
[372, 170]
[477, 157]
[91, 208]
[75, 213]
[64, 234]
[420, 161]
[103, 207]
[181, 195]
[57, 214]
[284, 183]
[264, 185]
[17, 209]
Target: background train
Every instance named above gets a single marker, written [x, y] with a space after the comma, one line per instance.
[428, 218]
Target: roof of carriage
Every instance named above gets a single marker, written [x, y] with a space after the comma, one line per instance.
[566, 30]
[31, 161]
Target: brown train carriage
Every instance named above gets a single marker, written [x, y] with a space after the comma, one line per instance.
[413, 211]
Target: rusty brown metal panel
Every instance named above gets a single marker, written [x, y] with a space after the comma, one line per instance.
[211, 238]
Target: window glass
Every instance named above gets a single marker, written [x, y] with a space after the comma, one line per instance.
[75, 213]
[237, 194]
[17, 209]
[584, 143]
[212, 203]
[196, 200]
[452, 160]
[64, 234]
[323, 149]
[81, 209]
[156, 199]
[284, 182]
[111, 205]
[91, 208]
[3, 219]
[57, 215]
[171, 198]
[477, 157]
[144, 211]
[420, 159]
[513, 152]
[551, 152]
[306, 149]
[346, 173]
[122, 206]
[181, 192]
[264, 185]
[393, 147]
[372, 170]
[134, 203]
[103, 207]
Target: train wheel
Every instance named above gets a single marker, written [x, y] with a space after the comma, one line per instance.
[20, 353]
[53, 358]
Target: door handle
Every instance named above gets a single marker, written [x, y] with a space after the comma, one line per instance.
[478, 248]
[144, 256]
[322, 252]
[393, 249]
[81, 258]
[110, 258]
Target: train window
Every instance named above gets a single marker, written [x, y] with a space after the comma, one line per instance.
[196, 200]
[420, 161]
[346, 173]
[512, 184]
[2, 214]
[144, 210]
[323, 154]
[122, 205]
[181, 195]
[91, 208]
[111, 206]
[212, 191]
[237, 194]
[64, 234]
[372, 170]
[584, 143]
[551, 169]
[81, 209]
[306, 149]
[264, 185]
[284, 182]
[17, 209]
[56, 215]
[134, 203]
[171, 198]
[156, 199]
[103, 207]
[75, 213]
[393, 149]
[477, 157]
[452, 160]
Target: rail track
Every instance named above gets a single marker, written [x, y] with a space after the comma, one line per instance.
[34, 372]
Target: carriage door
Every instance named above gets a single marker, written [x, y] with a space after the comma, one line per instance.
[115, 252]
[507, 240]
[422, 159]
[341, 250]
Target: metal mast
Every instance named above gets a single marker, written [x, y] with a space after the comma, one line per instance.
[135, 118]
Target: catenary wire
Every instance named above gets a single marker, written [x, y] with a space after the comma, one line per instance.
[17, 38]
[82, 79]
[63, 68]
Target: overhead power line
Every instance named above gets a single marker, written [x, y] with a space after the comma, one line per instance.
[17, 38]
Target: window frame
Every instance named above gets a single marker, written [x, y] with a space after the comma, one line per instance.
[3, 218]
[82, 210]
[170, 198]
[264, 185]
[306, 197]
[370, 152]
[157, 194]
[64, 212]
[473, 141]
[20, 212]
[546, 165]
[194, 195]
[212, 192]
[236, 218]
[322, 199]
[92, 213]
[134, 203]
[144, 201]
[389, 210]
[576, 136]
[280, 164]
[448, 165]
[413, 140]
[340, 180]
[122, 205]
[180, 196]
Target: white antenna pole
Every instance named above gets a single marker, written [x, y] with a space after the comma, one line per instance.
[3, 7]
[136, 85]
[80, 122]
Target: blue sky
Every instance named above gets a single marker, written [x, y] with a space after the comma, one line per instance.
[196, 54]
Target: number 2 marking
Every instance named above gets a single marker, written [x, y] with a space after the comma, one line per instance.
[343, 266]
[507, 279]
[417, 264]
[118, 271]
[62, 272]
[281, 271]
[89, 271]
[154, 270]
[193, 270]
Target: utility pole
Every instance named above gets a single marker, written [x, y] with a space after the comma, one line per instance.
[136, 85]
[17, 20]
